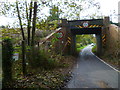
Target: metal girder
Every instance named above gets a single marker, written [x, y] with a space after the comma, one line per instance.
[92, 23]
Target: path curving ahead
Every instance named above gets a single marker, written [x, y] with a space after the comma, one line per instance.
[90, 72]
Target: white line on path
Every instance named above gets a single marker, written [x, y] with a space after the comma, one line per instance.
[105, 62]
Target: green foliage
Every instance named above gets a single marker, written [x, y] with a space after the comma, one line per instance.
[42, 60]
[6, 32]
[52, 21]
[7, 53]
[54, 13]
[61, 9]
[43, 25]
[54, 39]
[85, 39]
[94, 49]
[47, 25]
[80, 48]
[54, 24]
[14, 34]
[78, 45]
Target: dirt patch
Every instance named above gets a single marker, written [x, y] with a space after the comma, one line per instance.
[102, 84]
[69, 61]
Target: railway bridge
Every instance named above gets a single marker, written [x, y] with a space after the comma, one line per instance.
[69, 30]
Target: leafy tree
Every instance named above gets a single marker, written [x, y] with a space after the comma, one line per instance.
[54, 13]
[69, 9]
[11, 33]
[23, 11]
[85, 39]
[72, 9]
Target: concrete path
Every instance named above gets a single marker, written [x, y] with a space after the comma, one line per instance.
[90, 72]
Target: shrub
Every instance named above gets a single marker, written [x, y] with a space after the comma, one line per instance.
[7, 53]
[94, 49]
[78, 45]
[41, 59]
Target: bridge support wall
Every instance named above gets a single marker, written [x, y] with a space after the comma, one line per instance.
[105, 30]
[99, 44]
[73, 45]
[66, 41]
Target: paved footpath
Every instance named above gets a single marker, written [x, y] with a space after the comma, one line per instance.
[91, 72]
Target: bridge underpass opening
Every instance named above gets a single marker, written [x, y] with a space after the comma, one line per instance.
[85, 39]
[92, 26]
[88, 31]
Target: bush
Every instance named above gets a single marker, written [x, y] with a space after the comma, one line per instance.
[78, 45]
[41, 59]
[94, 49]
[7, 53]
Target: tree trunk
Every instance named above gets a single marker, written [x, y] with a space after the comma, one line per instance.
[29, 22]
[23, 58]
[20, 22]
[34, 24]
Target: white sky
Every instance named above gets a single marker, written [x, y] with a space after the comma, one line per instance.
[107, 8]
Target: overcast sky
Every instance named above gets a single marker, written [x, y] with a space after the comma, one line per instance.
[107, 9]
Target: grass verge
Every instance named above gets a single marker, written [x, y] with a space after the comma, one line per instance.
[113, 61]
[94, 49]
[110, 59]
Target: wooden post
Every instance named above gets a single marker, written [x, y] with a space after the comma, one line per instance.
[23, 58]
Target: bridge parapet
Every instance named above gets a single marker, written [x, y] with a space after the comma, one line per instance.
[60, 45]
[48, 43]
[49, 36]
